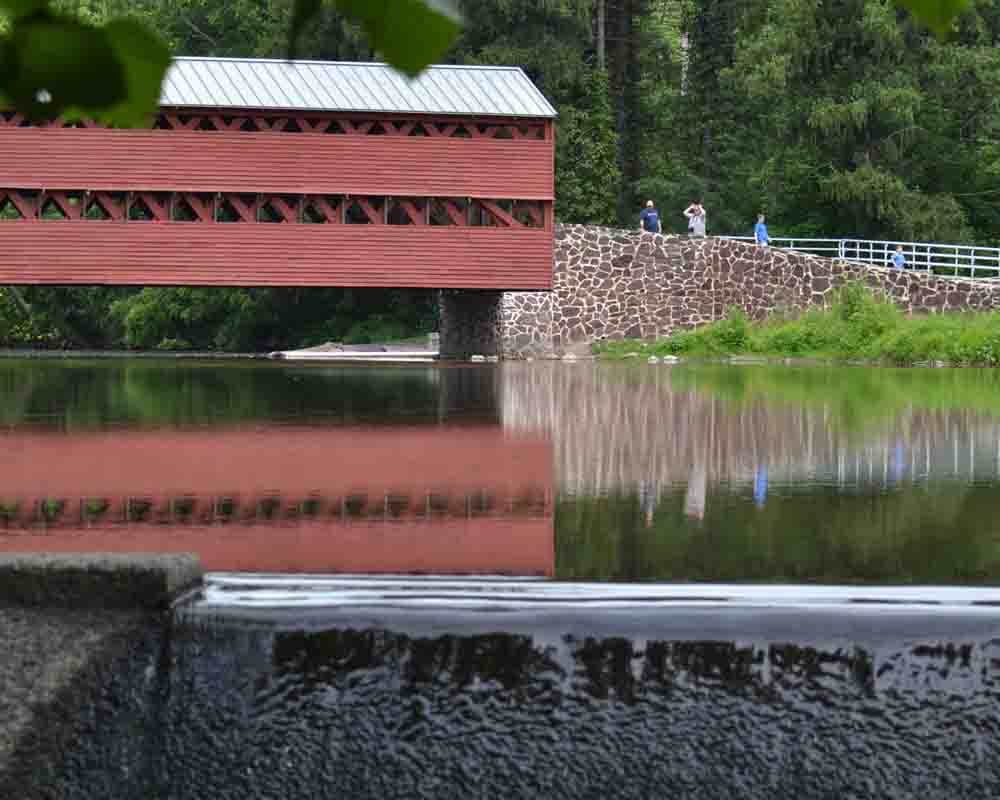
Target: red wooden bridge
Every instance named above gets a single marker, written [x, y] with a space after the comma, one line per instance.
[270, 173]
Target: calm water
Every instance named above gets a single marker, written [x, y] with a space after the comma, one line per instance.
[571, 478]
[734, 474]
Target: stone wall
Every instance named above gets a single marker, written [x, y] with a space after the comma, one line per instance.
[613, 284]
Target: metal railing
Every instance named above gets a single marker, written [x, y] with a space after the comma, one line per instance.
[948, 260]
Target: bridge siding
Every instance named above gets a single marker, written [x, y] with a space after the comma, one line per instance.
[85, 252]
[214, 161]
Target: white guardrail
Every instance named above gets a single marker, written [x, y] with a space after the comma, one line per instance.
[948, 260]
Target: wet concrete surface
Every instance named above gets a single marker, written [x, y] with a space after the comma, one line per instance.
[82, 638]
[75, 683]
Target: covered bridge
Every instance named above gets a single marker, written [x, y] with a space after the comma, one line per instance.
[275, 173]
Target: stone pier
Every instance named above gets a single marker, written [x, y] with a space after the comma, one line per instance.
[471, 323]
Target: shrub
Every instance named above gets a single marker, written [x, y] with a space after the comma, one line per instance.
[858, 325]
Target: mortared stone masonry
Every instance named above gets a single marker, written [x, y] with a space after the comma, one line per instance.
[612, 284]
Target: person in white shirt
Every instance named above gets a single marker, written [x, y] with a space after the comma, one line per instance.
[696, 218]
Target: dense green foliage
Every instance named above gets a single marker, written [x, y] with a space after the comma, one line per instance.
[844, 118]
[859, 325]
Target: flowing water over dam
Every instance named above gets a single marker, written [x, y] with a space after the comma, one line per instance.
[530, 580]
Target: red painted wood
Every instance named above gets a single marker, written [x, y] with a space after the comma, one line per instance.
[328, 210]
[374, 216]
[113, 207]
[27, 206]
[499, 214]
[156, 208]
[241, 254]
[415, 215]
[455, 214]
[180, 160]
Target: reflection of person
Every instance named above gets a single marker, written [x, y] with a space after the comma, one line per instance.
[760, 486]
[649, 219]
[898, 259]
[694, 498]
[696, 218]
[649, 498]
[760, 231]
[898, 467]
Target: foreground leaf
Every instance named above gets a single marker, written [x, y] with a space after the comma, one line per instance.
[51, 63]
[408, 34]
[145, 60]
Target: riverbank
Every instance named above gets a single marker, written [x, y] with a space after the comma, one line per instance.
[858, 327]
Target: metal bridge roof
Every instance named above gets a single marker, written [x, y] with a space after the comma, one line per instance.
[351, 86]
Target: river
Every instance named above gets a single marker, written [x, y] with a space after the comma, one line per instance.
[650, 580]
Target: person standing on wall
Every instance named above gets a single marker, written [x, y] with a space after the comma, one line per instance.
[760, 231]
[898, 259]
[649, 219]
[696, 218]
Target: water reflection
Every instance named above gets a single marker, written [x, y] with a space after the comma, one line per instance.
[343, 499]
[640, 473]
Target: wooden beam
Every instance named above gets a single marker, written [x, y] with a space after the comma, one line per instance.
[247, 211]
[398, 129]
[416, 216]
[61, 199]
[499, 214]
[534, 211]
[274, 124]
[435, 129]
[27, 207]
[288, 213]
[160, 212]
[355, 128]
[312, 126]
[202, 209]
[176, 124]
[373, 216]
[112, 207]
[235, 124]
[475, 133]
[456, 215]
[331, 212]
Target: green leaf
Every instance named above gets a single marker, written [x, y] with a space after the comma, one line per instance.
[303, 12]
[145, 60]
[16, 9]
[409, 34]
[51, 63]
[935, 14]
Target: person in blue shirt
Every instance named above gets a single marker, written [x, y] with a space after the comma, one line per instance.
[760, 231]
[898, 259]
[649, 219]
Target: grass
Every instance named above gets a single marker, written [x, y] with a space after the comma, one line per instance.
[858, 326]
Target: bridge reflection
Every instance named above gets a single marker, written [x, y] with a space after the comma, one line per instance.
[429, 499]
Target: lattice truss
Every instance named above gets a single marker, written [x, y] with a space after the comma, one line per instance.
[320, 124]
[234, 207]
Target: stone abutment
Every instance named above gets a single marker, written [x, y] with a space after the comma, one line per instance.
[613, 284]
